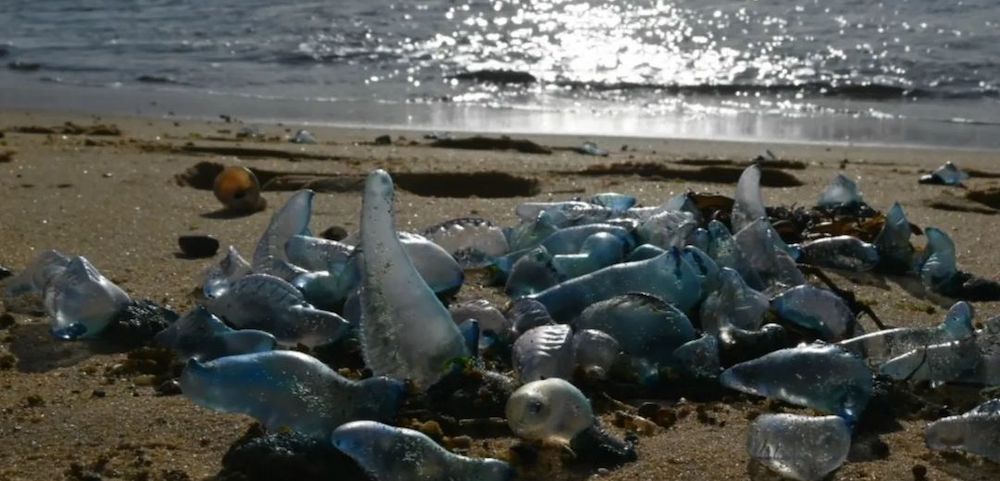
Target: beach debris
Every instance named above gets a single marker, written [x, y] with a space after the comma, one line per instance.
[5, 273]
[6, 156]
[492, 143]
[973, 432]
[804, 448]
[384, 139]
[880, 346]
[590, 148]
[80, 302]
[733, 304]
[544, 352]
[893, 241]
[405, 331]
[388, 453]
[947, 174]
[334, 233]
[819, 376]
[221, 276]
[238, 189]
[202, 336]
[842, 192]
[289, 390]
[291, 220]
[818, 310]
[840, 252]
[198, 246]
[668, 276]
[303, 136]
[471, 241]
[268, 303]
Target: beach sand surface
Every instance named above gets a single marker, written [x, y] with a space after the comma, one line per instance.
[68, 410]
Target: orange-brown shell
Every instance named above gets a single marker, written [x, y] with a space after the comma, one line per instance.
[238, 189]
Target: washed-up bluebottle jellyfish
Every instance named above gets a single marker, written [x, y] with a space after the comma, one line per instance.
[805, 448]
[815, 309]
[893, 241]
[551, 409]
[388, 453]
[23, 292]
[947, 174]
[406, 332]
[645, 326]
[291, 220]
[267, 303]
[819, 376]
[880, 346]
[200, 335]
[748, 203]
[668, 276]
[973, 432]
[221, 277]
[842, 192]
[544, 352]
[937, 265]
[840, 252]
[471, 241]
[733, 304]
[80, 302]
[289, 390]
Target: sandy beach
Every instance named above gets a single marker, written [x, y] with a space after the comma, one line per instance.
[118, 197]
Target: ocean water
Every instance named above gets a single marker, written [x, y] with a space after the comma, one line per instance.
[900, 71]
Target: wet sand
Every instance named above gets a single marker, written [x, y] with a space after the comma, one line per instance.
[68, 410]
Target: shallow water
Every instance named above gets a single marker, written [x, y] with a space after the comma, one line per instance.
[840, 70]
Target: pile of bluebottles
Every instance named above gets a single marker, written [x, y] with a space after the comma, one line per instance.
[701, 289]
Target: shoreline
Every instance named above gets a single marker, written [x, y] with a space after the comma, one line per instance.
[66, 408]
[705, 119]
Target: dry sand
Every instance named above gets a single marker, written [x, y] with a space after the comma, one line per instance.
[114, 199]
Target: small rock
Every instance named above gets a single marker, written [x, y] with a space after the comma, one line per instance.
[383, 140]
[334, 233]
[144, 380]
[458, 442]
[6, 320]
[98, 393]
[198, 246]
[169, 387]
[304, 137]
[919, 472]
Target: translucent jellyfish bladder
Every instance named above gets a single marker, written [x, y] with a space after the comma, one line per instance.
[389, 453]
[947, 174]
[544, 352]
[973, 432]
[937, 265]
[200, 335]
[288, 389]
[552, 409]
[733, 304]
[645, 326]
[406, 332]
[80, 302]
[819, 376]
[221, 277]
[23, 292]
[842, 192]
[840, 252]
[804, 448]
[748, 205]
[893, 241]
[471, 241]
[881, 346]
[267, 303]
[816, 309]
[291, 220]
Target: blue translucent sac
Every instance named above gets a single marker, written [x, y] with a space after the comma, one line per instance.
[804, 448]
[289, 390]
[818, 376]
[389, 453]
[818, 310]
[947, 174]
[893, 241]
[471, 241]
[22, 292]
[768, 255]
[549, 410]
[668, 277]
[534, 272]
[202, 336]
[80, 302]
[291, 220]
[645, 327]
[842, 192]
[667, 229]
[723, 249]
[878, 347]
[974, 432]
[937, 265]
[544, 352]
[221, 277]
[267, 303]
[595, 352]
[840, 252]
[699, 358]
[748, 203]
[597, 252]
[405, 331]
[733, 304]
[525, 314]
[614, 201]
[316, 253]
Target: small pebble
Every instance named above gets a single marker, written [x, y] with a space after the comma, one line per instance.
[919, 472]
[383, 140]
[5, 273]
[334, 233]
[168, 388]
[198, 246]
[99, 393]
